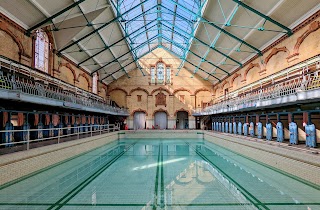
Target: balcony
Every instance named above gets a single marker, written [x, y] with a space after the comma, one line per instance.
[21, 83]
[298, 84]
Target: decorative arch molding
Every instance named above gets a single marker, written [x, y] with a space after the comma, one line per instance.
[314, 26]
[139, 110]
[275, 51]
[236, 75]
[160, 110]
[224, 83]
[251, 66]
[201, 89]
[214, 90]
[161, 89]
[5, 27]
[103, 87]
[182, 110]
[68, 66]
[117, 88]
[86, 77]
[181, 89]
[139, 89]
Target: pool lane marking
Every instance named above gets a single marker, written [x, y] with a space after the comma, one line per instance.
[155, 202]
[8, 184]
[162, 204]
[303, 181]
[67, 197]
[177, 204]
[245, 193]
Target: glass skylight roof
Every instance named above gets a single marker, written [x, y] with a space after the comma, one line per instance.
[168, 23]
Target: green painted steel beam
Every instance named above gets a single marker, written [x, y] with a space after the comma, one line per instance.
[129, 63]
[101, 38]
[124, 54]
[214, 65]
[289, 31]
[204, 71]
[213, 48]
[49, 19]
[194, 30]
[167, 49]
[218, 27]
[123, 38]
[181, 47]
[101, 27]
[126, 35]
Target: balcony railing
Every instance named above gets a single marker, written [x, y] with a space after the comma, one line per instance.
[248, 97]
[25, 80]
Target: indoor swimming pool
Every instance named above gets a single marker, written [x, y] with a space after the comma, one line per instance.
[160, 174]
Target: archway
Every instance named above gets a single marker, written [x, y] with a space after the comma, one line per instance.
[139, 120]
[182, 121]
[161, 120]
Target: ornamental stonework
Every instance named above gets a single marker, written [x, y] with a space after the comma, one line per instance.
[161, 99]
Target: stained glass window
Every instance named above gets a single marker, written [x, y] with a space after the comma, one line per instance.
[42, 51]
[160, 73]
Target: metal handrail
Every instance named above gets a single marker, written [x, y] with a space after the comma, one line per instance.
[23, 85]
[54, 89]
[79, 131]
[284, 88]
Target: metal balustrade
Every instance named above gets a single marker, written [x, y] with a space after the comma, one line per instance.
[53, 89]
[56, 134]
[283, 88]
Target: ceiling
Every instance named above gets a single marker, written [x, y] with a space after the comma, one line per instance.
[211, 38]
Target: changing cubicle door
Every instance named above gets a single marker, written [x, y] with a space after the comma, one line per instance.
[293, 131]
[260, 130]
[280, 136]
[240, 128]
[269, 131]
[251, 129]
[161, 120]
[139, 120]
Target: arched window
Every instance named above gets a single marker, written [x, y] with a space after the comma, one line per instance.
[95, 83]
[160, 73]
[42, 51]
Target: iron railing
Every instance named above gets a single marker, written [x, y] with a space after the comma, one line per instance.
[44, 86]
[31, 136]
[249, 97]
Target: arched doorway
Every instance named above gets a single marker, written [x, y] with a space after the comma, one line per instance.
[160, 120]
[139, 120]
[182, 121]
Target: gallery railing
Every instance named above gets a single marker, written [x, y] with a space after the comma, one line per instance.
[246, 97]
[33, 83]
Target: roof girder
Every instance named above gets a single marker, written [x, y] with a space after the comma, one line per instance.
[289, 31]
[213, 48]
[129, 63]
[219, 28]
[177, 45]
[101, 27]
[124, 54]
[205, 58]
[49, 19]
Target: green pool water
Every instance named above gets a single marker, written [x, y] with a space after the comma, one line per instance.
[160, 174]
